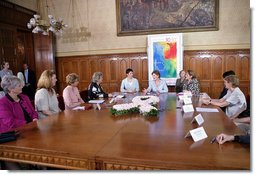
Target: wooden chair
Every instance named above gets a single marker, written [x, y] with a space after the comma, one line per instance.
[246, 113]
[61, 103]
[84, 95]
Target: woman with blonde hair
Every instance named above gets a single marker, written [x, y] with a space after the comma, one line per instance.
[71, 94]
[234, 100]
[46, 102]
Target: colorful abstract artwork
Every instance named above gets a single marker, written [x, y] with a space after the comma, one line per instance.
[165, 55]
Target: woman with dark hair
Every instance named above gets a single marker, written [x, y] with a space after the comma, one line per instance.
[192, 84]
[46, 102]
[156, 85]
[129, 84]
[15, 108]
[95, 90]
[180, 81]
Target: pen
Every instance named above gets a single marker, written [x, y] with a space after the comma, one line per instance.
[213, 140]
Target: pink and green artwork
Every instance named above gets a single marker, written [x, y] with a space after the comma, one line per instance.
[165, 58]
[165, 52]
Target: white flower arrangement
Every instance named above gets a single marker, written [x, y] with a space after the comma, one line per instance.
[141, 104]
[145, 100]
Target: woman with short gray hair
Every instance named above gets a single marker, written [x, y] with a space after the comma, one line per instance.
[15, 108]
[95, 90]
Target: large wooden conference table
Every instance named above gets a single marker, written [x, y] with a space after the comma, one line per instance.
[94, 139]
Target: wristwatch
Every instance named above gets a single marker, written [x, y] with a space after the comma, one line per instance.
[236, 139]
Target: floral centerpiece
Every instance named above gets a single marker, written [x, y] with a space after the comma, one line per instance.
[144, 105]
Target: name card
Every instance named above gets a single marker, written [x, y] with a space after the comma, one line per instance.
[188, 94]
[112, 100]
[187, 108]
[199, 119]
[181, 97]
[187, 101]
[98, 106]
[197, 134]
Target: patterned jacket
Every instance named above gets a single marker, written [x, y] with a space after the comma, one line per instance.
[192, 86]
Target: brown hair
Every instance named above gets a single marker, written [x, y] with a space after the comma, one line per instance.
[233, 80]
[181, 72]
[156, 72]
[192, 73]
[71, 78]
[45, 80]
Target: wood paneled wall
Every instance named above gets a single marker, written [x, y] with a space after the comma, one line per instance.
[208, 66]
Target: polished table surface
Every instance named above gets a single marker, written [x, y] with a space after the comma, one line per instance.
[94, 139]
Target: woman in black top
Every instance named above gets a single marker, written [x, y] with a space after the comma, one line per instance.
[95, 90]
[180, 82]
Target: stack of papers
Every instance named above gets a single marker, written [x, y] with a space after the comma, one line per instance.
[96, 101]
[206, 109]
[119, 96]
[78, 108]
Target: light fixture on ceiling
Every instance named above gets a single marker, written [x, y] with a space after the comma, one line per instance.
[42, 26]
[77, 31]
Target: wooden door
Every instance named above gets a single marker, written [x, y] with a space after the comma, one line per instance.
[44, 53]
[7, 44]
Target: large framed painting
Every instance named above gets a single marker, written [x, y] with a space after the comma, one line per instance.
[165, 54]
[139, 17]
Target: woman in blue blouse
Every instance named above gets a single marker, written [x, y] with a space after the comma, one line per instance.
[156, 85]
[129, 84]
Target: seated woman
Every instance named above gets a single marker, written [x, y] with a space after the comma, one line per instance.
[15, 108]
[71, 93]
[192, 84]
[180, 81]
[46, 102]
[156, 85]
[234, 100]
[95, 90]
[2, 94]
[129, 84]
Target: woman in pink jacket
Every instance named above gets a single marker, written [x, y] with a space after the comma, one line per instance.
[15, 108]
[71, 93]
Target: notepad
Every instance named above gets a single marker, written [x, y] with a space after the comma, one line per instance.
[79, 108]
[198, 109]
[120, 96]
[96, 101]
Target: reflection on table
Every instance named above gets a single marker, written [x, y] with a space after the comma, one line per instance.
[94, 139]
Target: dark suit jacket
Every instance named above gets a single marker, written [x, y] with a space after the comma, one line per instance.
[30, 86]
[31, 77]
